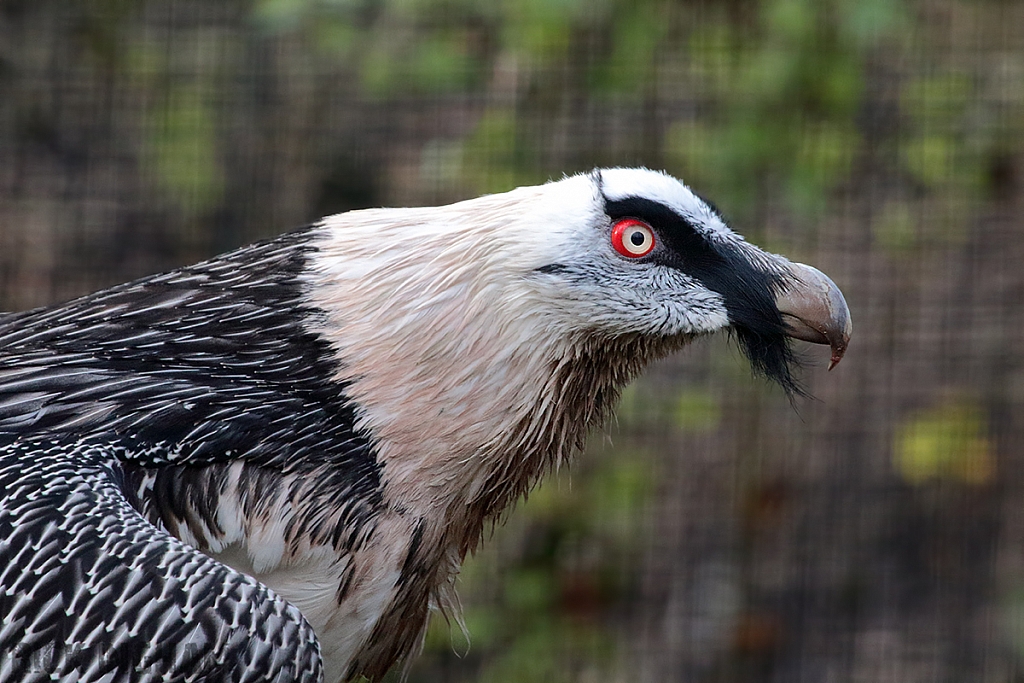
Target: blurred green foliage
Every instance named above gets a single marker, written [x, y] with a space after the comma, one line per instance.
[778, 114]
[783, 79]
[758, 103]
[182, 149]
[691, 410]
[787, 91]
[947, 442]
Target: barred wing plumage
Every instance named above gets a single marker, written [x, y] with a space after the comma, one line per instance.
[121, 415]
[90, 591]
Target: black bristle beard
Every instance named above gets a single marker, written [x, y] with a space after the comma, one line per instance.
[771, 356]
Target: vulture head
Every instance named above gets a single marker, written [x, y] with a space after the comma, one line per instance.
[658, 261]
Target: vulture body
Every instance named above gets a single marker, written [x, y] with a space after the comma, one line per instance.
[269, 465]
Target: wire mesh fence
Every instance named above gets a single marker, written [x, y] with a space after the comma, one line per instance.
[717, 532]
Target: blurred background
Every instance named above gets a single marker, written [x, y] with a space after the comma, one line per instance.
[715, 533]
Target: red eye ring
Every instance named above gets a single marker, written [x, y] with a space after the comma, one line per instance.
[632, 238]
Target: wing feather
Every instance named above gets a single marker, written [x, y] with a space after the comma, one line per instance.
[92, 591]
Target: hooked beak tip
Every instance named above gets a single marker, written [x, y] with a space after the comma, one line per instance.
[838, 350]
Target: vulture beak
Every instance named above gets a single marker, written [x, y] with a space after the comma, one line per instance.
[813, 309]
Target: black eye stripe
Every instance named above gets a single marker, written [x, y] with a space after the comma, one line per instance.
[747, 288]
[676, 233]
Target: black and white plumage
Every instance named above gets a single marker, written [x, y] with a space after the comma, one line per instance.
[268, 466]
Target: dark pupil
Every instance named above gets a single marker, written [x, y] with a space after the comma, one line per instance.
[637, 238]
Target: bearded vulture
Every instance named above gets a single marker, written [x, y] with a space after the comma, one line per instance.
[270, 465]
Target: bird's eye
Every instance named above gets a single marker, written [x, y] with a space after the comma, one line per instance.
[632, 238]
